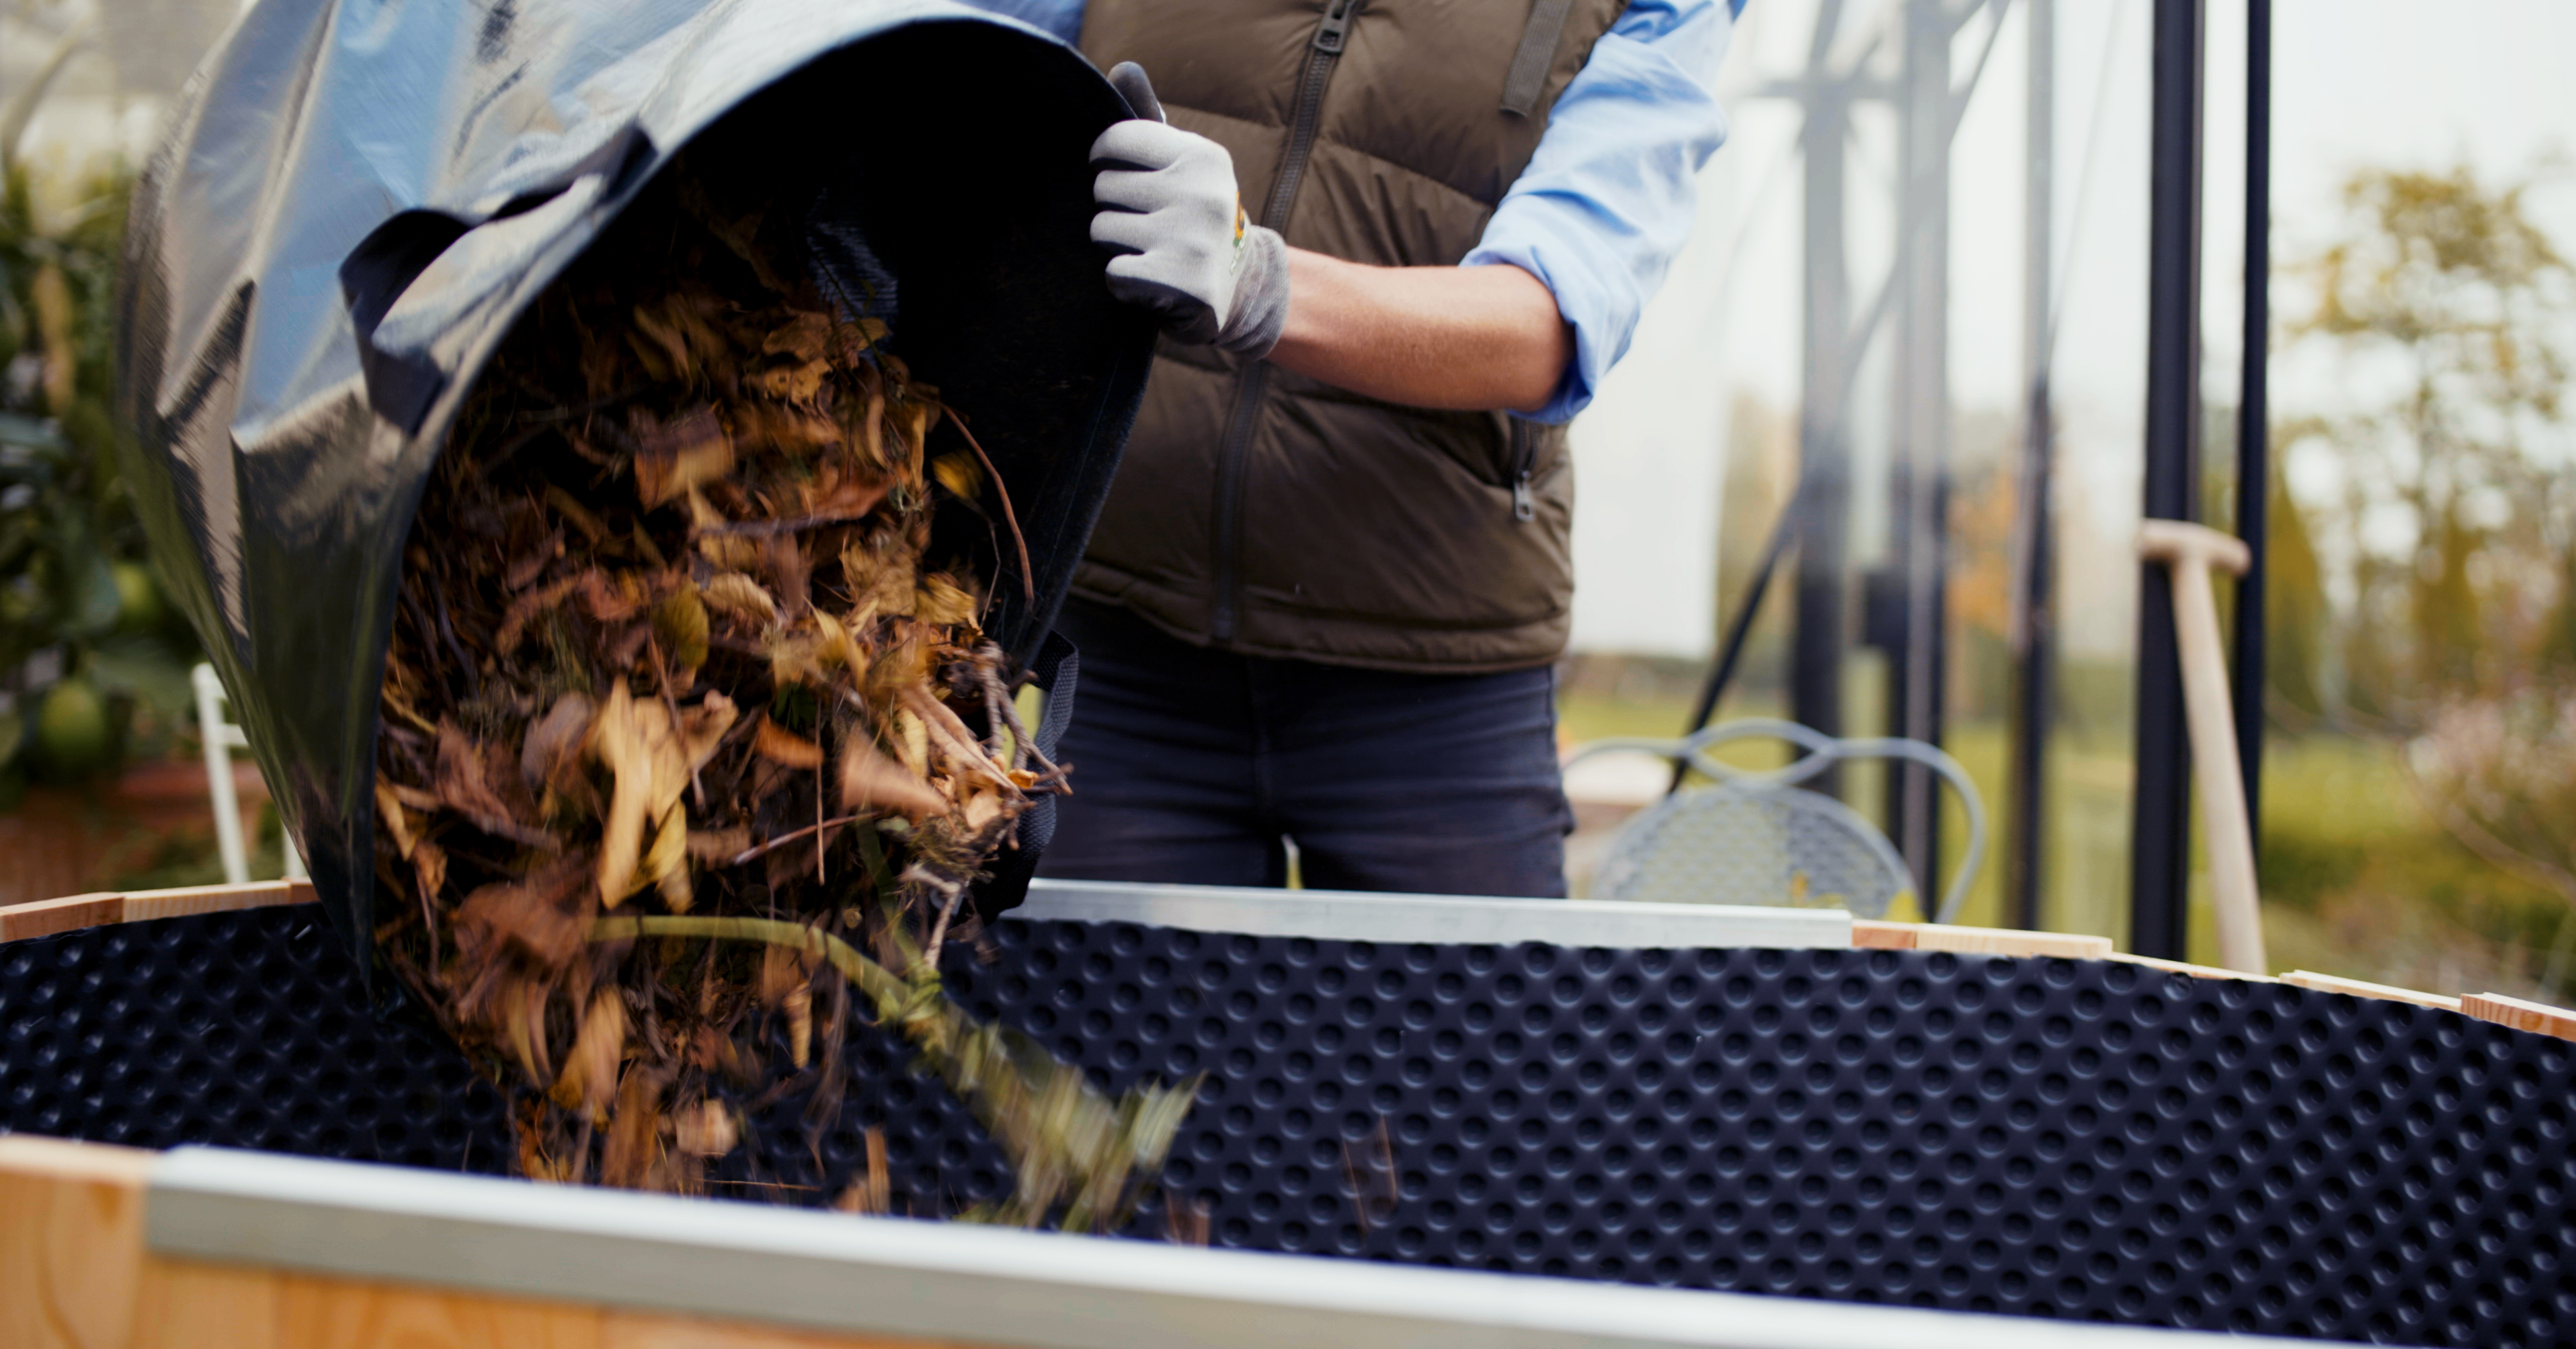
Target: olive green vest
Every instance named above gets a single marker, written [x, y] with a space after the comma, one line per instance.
[1263, 512]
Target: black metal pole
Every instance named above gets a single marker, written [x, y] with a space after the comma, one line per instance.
[2160, 839]
[1817, 635]
[2253, 428]
[2034, 645]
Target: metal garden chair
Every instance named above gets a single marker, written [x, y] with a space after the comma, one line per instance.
[1759, 838]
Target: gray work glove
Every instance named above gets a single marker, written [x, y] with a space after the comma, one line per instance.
[1184, 247]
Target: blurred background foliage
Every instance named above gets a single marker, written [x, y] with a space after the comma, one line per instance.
[93, 660]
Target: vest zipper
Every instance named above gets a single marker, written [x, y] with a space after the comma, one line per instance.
[1524, 462]
[1322, 54]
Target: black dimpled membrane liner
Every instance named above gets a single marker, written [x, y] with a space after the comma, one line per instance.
[2044, 1137]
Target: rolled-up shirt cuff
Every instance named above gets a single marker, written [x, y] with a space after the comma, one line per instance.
[1560, 266]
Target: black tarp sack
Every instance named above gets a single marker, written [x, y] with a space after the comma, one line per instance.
[358, 199]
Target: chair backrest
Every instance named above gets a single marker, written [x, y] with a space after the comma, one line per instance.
[1758, 838]
[221, 738]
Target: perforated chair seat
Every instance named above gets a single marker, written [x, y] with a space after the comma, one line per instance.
[1759, 838]
[1728, 845]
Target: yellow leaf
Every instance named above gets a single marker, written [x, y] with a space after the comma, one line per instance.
[390, 810]
[871, 781]
[942, 602]
[738, 596]
[680, 620]
[650, 761]
[667, 865]
[590, 1073]
[959, 473]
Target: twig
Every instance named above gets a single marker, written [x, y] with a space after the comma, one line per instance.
[939, 929]
[1028, 575]
[953, 736]
[1024, 744]
[783, 840]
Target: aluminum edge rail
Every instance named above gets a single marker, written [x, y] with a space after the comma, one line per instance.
[1350, 916]
[968, 1285]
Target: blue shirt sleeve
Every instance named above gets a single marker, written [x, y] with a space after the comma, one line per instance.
[1062, 18]
[1607, 199]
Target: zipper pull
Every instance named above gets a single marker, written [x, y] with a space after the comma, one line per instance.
[1336, 27]
[1524, 506]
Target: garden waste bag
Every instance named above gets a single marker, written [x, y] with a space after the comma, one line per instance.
[357, 202]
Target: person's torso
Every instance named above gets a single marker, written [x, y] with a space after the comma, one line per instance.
[1264, 512]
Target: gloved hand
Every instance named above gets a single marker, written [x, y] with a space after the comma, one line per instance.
[1185, 248]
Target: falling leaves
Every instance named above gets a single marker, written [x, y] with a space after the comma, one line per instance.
[684, 699]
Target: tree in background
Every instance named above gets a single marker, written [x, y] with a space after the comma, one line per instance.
[2456, 510]
[2458, 500]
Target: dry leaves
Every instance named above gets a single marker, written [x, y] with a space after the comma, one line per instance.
[681, 701]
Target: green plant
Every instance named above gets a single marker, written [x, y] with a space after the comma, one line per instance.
[93, 666]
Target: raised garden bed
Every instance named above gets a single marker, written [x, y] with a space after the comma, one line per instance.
[1694, 1098]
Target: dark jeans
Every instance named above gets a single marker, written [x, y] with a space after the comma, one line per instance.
[1191, 765]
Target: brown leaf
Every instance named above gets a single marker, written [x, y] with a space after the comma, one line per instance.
[525, 607]
[631, 1158]
[610, 599]
[690, 450]
[524, 572]
[464, 787]
[784, 746]
[545, 916]
[719, 845]
[802, 336]
[429, 867]
[553, 746]
[792, 383]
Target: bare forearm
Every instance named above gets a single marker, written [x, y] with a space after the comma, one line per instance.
[1474, 338]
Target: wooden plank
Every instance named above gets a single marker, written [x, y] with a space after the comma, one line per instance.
[73, 1272]
[1878, 935]
[2328, 983]
[2537, 1018]
[71, 1243]
[2002, 941]
[2195, 971]
[145, 905]
[320, 1313]
[629, 1330]
[185, 1304]
[45, 917]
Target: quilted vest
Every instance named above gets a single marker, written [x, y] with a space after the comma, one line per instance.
[1262, 512]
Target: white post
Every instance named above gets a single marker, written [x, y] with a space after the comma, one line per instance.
[220, 736]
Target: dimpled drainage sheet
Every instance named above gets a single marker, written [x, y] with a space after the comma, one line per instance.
[2045, 1137]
